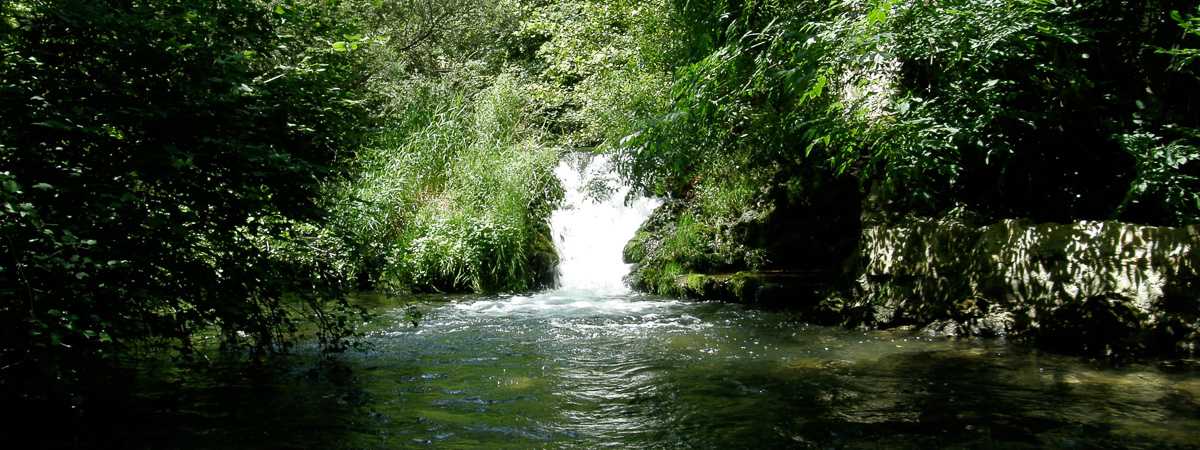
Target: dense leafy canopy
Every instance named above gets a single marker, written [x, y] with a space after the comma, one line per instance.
[1032, 108]
[175, 174]
[151, 153]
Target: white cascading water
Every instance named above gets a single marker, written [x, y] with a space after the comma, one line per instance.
[589, 232]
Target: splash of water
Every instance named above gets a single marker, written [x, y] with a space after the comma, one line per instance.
[590, 231]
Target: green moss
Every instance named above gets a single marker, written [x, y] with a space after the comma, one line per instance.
[696, 282]
[635, 250]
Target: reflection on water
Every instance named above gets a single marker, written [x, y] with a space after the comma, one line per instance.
[567, 369]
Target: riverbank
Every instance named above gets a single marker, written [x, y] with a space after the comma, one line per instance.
[1100, 288]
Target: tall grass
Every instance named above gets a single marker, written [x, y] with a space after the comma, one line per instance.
[456, 194]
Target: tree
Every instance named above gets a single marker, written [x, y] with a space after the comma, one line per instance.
[155, 157]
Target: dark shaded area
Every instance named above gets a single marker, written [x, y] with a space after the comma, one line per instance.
[968, 132]
[287, 403]
[943, 399]
[1051, 149]
[153, 186]
[815, 225]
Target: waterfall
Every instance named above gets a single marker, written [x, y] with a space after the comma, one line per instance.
[590, 230]
[590, 233]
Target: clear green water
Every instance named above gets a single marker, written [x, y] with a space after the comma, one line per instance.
[580, 370]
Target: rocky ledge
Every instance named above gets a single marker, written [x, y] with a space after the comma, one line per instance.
[1103, 288]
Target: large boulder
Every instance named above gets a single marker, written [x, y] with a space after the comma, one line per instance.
[1098, 287]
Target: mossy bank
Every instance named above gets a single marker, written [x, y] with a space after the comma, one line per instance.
[1101, 288]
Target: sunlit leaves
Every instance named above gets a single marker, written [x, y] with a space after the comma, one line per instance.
[935, 102]
[140, 140]
[1189, 53]
[460, 200]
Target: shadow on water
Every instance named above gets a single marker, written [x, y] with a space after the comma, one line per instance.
[569, 372]
[289, 403]
[983, 395]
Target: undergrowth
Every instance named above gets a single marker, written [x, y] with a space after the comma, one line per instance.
[457, 196]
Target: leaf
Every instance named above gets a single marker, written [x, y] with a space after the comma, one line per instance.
[43, 186]
[55, 124]
[279, 9]
[877, 15]
[625, 140]
[341, 46]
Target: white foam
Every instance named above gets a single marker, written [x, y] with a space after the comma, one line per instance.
[566, 303]
[590, 235]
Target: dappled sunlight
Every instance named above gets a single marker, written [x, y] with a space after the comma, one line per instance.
[1034, 278]
[717, 375]
[370, 224]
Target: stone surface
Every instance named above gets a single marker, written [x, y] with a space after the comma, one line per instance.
[1097, 287]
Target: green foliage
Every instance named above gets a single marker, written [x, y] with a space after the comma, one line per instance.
[1186, 57]
[602, 67]
[458, 195]
[177, 167]
[455, 192]
[1163, 182]
[1012, 108]
[178, 170]
[686, 244]
[158, 165]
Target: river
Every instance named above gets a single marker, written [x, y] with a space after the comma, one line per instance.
[592, 365]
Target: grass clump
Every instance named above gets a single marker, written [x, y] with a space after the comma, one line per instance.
[457, 196]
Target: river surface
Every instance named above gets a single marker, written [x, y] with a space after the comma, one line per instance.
[592, 365]
[576, 370]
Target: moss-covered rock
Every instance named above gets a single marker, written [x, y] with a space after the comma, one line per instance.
[781, 230]
[543, 259]
[1102, 288]
[776, 289]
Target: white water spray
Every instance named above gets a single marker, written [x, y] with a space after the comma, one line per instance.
[591, 233]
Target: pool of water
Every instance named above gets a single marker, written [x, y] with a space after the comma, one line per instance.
[573, 369]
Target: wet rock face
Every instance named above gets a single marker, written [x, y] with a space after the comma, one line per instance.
[543, 260]
[797, 290]
[1101, 288]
